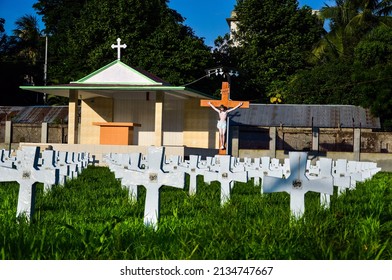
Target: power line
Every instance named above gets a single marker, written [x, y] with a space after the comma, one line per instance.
[195, 81]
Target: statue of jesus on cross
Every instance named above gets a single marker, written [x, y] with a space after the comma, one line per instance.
[222, 125]
[223, 104]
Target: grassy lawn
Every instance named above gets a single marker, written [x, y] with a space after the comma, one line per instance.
[92, 218]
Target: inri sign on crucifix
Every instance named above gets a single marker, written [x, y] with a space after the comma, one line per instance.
[119, 47]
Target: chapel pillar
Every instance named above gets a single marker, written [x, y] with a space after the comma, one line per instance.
[73, 117]
[159, 102]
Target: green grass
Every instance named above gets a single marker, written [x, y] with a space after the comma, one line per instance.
[91, 218]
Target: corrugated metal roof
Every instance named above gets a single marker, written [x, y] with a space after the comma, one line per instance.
[289, 115]
[295, 115]
[35, 114]
[8, 112]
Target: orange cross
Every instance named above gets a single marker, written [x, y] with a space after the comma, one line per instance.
[225, 101]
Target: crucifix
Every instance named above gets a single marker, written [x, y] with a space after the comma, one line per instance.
[225, 176]
[153, 178]
[132, 163]
[341, 178]
[226, 102]
[297, 184]
[49, 162]
[27, 174]
[119, 47]
[193, 167]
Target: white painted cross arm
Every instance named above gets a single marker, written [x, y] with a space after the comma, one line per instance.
[153, 179]
[225, 177]
[193, 168]
[341, 178]
[49, 164]
[27, 175]
[254, 170]
[5, 159]
[118, 164]
[297, 184]
[65, 158]
[133, 165]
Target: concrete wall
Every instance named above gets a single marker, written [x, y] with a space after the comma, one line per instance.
[200, 126]
[94, 110]
[20, 132]
[185, 123]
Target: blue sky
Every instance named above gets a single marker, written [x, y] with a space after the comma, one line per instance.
[206, 17]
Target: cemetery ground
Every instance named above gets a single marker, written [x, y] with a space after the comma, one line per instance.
[91, 218]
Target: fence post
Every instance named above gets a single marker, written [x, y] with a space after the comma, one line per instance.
[315, 139]
[234, 147]
[44, 132]
[357, 144]
[272, 142]
[8, 132]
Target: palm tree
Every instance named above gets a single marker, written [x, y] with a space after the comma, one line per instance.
[2, 21]
[3, 38]
[350, 21]
[28, 37]
[370, 14]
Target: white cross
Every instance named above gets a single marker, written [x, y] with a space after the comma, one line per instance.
[173, 162]
[153, 179]
[297, 184]
[27, 175]
[118, 163]
[341, 178]
[128, 162]
[72, 168]
[49, 162]
[254, 170]
[194, 168]
[324, 171]
[225, 176]
[5, 160]
[118, 47]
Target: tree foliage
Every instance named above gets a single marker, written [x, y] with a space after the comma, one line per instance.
[274, 40]
[350, 21]
[373, 73]
[156, 38]
[353, 60]
[282, 51]
[20, 57]
[329, 83]
[364, 82]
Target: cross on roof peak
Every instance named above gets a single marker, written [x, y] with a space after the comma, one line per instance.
[118, 47]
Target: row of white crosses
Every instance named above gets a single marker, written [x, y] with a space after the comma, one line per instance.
[158, 172]
[297, 184]
[295, 176]
[153, 176]
[28, 168]
[6, 160]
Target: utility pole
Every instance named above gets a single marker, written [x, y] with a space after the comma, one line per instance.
[46, 60]
[46, 65]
